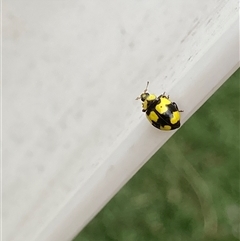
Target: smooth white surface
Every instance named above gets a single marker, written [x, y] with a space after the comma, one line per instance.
[73, 133]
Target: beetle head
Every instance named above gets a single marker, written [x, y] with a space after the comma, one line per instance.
[144, 95]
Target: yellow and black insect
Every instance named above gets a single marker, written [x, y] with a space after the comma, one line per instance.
[160, 111]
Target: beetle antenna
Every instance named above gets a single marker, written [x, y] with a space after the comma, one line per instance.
[146, 87]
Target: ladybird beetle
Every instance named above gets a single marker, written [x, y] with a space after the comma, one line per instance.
[160, 111]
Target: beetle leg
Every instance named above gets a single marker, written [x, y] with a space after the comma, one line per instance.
[164, 95]
[176, 107]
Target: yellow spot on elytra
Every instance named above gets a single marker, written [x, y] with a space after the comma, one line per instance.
[165, 128]
[152, 116]
[176, 117]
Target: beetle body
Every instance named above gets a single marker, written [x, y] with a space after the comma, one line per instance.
[161, 112]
